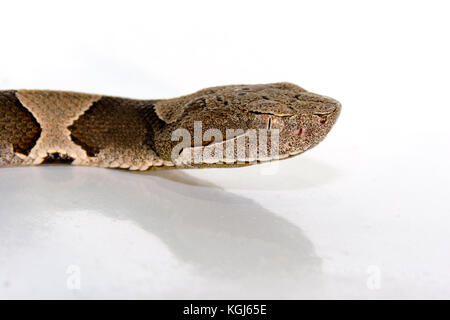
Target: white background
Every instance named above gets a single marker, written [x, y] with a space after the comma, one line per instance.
[363, 215]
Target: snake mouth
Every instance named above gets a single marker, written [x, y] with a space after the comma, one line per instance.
[270, 113]
[242, 164]
[238, 150]
[325, 113]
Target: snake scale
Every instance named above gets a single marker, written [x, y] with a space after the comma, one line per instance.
[39, 126]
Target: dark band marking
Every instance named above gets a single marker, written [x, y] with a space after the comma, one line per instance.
[17, 125]
[116, 123]
[57, 158]
[91, 150]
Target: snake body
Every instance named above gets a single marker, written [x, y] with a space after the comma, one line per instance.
[39, 126]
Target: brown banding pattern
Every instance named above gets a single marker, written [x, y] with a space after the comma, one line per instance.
[117, 124]
[18, 127]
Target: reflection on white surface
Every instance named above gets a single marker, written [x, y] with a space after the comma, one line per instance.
[134, 235]
[308, 231]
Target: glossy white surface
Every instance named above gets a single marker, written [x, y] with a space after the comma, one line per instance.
[329, 229]
[363, 215]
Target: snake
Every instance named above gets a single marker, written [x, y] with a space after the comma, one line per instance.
[191, 131]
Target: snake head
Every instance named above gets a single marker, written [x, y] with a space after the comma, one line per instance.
[285, 120]
[302, 118]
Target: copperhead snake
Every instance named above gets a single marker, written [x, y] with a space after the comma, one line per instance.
[39, 126]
